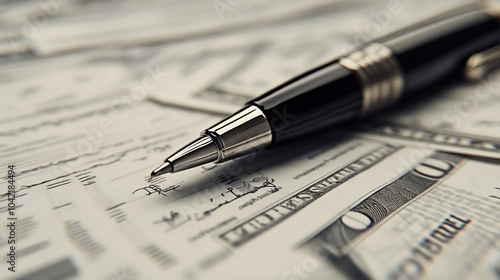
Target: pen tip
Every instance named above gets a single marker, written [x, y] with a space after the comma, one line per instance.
[166, 167]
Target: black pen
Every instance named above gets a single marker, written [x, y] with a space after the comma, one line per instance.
[367, 80]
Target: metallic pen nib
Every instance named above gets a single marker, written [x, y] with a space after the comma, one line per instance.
[166, 167]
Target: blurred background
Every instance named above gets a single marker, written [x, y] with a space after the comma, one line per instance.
[221, 51]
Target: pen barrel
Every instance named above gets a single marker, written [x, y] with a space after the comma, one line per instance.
[438, 50]
[320, 98]
[377, 75]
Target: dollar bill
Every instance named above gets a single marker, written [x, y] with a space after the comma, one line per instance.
[437, 221]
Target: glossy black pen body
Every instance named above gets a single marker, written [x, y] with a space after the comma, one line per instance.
[364, 81]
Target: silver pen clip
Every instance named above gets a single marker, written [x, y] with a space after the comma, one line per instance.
[479, 65]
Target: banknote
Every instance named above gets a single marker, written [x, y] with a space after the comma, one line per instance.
[438, 220]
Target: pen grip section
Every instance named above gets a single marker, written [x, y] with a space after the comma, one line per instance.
[312, 102]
